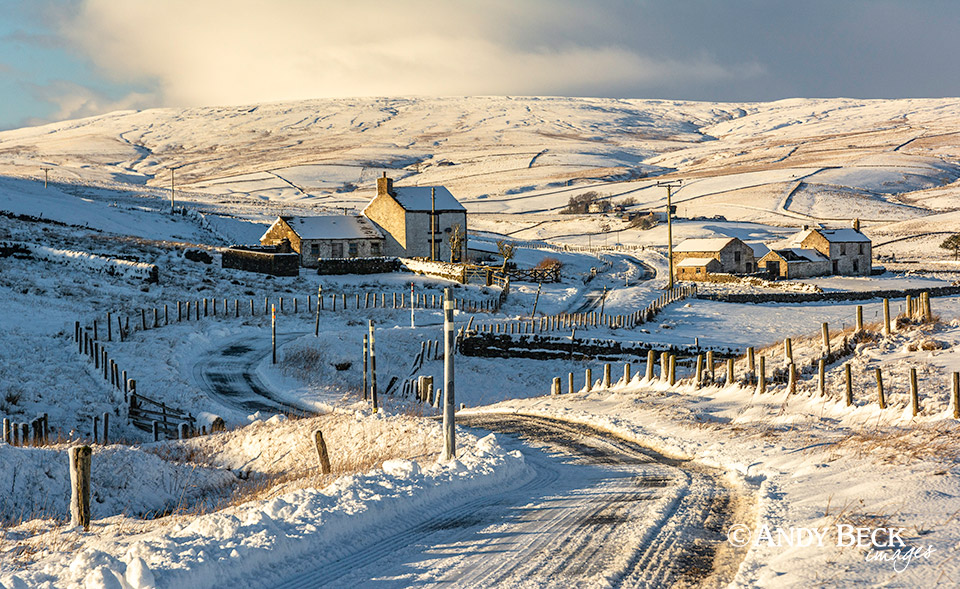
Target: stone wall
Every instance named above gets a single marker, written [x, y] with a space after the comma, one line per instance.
[809, 297]
[358, 266]
[263, 260]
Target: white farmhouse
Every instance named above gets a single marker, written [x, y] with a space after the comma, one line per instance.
[417, 221]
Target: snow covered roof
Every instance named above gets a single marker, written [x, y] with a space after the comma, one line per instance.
[710, 244]
[847, 235]
[417, 198]
[759, 249]
[695, 262]
[796, 254]
[332, 227]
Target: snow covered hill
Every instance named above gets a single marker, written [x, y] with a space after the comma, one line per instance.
[780, 162]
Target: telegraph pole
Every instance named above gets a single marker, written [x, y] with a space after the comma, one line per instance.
[46, 175]
[172, 192]
[433, 223]
[670, 186]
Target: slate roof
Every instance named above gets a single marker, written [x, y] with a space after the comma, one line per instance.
[848, 235]
[695, 262]
[333, 227]
[417, 198]
[710, 244]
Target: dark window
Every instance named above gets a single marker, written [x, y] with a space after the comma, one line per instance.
[353, 249]
[861, 248]
[843, 249]
[336, 250]
[315, 249]
[856, 265]
[736, 257]
[374, 248]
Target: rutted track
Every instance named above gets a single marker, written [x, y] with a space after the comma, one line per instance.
[598, 511]
[229, 375]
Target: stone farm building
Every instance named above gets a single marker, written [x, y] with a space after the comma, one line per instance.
[795, 262]
[405, 213]
[816, 251]
[326, 236]
[729, 255]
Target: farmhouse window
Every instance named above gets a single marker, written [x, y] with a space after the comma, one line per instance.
[336, 250]
[315, 249]
[843, 249]
[861, 248]
[353, 249]
[375, 248]
[736, 257]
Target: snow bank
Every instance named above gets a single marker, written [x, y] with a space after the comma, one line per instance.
[245, 541]
[87, 261]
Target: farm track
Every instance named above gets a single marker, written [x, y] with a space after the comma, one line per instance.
[228, 374]
[598, 511]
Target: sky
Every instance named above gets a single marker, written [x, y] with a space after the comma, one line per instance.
[63, 59]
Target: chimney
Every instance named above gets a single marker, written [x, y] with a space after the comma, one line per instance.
[805, 227]
[856, 225]
[384, 185]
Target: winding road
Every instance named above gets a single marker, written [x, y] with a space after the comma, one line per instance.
[228, 374]
[599, 511]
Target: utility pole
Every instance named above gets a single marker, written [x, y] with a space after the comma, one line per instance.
[433, 223]
[46, 175]
[449, 399]
[670, 186]
[172, 193]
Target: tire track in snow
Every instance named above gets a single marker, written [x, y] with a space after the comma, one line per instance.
[600, 510]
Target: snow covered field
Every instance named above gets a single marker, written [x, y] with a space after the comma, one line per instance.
[214, 510]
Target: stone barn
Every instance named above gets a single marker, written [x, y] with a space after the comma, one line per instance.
[794, 263]
[696, 268]
[326, 236]
[733, 256]
[417, 221]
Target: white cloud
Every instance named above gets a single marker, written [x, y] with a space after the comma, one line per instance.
[205, 52]
[73, 101]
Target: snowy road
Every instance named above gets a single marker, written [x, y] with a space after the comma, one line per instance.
[228, 374]
[598, 511]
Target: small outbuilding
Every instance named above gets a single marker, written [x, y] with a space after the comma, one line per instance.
[794, 263]
[326, 236]
[696, 268]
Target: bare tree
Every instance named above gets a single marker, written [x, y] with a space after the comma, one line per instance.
[456, 243]
[506, 250]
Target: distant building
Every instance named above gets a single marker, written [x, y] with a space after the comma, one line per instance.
[732, 256]
[327, 236]
[820, 252]
[795, 263]
[405, 214]
[696, 268]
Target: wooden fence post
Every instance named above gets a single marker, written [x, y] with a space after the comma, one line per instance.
[555, 389]
[651, 361]
[751, 364]
[709, 366]
[672, 378]
[626, 373]
[698, 372]
[570, 383]
[886, 316]
[825, 329]
[859, 318]
[880, 396]
[848, 397]
[914, 393]
[80, 460]
[109, 327]
[762, 376]
[6, 429]
[322, 455]
[373, 365]
[606, 376]
[787, 351]
[792, 379]
[588, 381]
[955, 380]
[106, 428]
[664, 366]
[730, 371]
